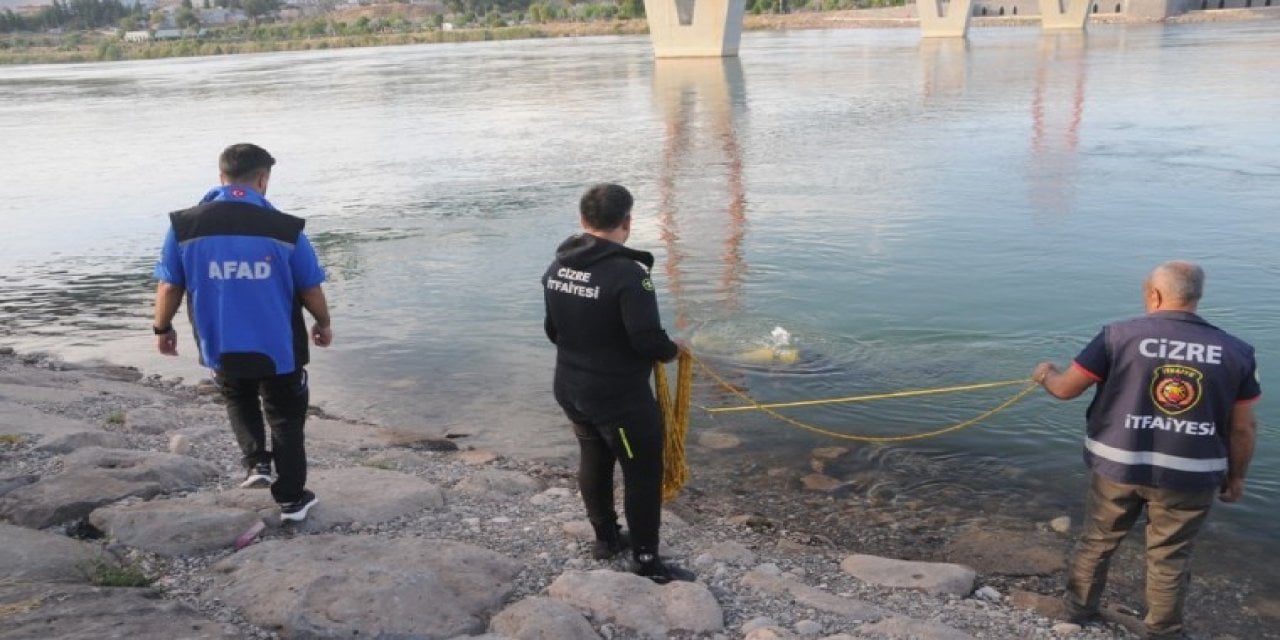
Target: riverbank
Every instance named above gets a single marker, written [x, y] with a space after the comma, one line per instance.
[424, 536]
[44, 49]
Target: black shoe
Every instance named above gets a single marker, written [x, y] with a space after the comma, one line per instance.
[259, 477]
[607, 549]
[297, 511]
[650, 566]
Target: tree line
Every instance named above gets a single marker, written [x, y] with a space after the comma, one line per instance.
[77, 15]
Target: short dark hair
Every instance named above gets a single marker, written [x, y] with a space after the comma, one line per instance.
[244, 162]
[605, 206]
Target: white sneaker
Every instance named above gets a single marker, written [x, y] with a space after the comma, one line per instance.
[259, 477]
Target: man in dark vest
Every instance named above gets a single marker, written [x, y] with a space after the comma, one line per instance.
[1170, 425]
[247, 271]
[602, 315]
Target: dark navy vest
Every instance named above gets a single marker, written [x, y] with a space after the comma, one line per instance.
[1162, 412]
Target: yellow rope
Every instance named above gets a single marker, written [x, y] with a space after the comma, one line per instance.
[675, 420]
[768, 409]
[874, 396]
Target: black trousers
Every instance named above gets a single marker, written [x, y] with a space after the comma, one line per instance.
[284, 400]
[625, 429]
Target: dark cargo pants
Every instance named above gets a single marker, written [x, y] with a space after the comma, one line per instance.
[284, 400]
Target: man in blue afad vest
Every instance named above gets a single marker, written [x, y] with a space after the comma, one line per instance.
[248, 270]
[1171, 424]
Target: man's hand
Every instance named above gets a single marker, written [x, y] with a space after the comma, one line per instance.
[167, 343]
[1232, 490]
[682, 347]
[321, 336]
[1043, 371]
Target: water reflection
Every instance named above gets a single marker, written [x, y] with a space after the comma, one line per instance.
[700, 100]
[1057, 109]
[944, 68]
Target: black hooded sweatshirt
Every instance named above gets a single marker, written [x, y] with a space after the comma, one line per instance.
[602, 313]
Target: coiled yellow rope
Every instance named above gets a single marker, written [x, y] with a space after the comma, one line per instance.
[675, 414]
[675, 420]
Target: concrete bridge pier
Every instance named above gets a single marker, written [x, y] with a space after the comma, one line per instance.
[940, 19]
[694, 28]
[1063, 15]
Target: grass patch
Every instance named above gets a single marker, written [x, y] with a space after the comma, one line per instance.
[104, 573]
[116, 418]
[11, 439]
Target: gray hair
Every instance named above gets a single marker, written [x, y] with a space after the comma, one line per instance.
[1181, 280]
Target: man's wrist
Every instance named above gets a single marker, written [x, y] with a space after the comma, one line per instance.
[162, 330]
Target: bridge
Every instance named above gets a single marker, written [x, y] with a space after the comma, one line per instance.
[713, 28]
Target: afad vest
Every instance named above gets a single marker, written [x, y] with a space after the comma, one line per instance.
[245, 310]
[1162, 415]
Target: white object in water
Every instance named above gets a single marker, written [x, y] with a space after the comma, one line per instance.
[781, 337]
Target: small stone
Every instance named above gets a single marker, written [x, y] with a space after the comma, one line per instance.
[752, 521]
[769, 569]
[6, 351]
[579, 530]
[477, 456]
[180, 445]
[829, 453]
[819, 482]
[718, 440]
[808, 628]
[988, 593]
[757, 623]
[1061, 524]
[1066, 628]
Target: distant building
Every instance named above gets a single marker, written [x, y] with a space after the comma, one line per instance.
[1135, 9]
[137, 36]
[168, 34]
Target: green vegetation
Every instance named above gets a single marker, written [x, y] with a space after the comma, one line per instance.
[72, 15]
[11, 439]
[28, 39]
[117, 417]
[104, 573]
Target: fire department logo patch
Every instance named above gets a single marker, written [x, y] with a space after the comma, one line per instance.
[1176, 389]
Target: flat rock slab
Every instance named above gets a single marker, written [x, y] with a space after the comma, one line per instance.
[638, 604]
[367, 496]
[336, 435]
[930, 577]
[17, 418]
[160, 419]
[68, 442]
[1011, 553]
[768, 579]
[345, 586]
[900, 627]
[28, 555]
[541, 618]
[174, 527]
[93, 477]
[78, 612]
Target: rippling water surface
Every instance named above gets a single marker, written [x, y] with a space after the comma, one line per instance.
[914, 213]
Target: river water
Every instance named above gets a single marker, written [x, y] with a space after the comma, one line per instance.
[914, 213]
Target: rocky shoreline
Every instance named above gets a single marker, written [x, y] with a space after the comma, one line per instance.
[113, 478]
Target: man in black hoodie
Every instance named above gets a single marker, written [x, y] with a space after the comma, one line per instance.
[602, 315]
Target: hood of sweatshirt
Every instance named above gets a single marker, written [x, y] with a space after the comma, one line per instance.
[584, 250]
